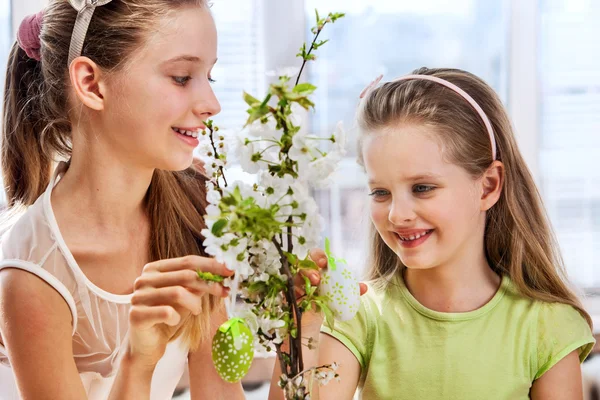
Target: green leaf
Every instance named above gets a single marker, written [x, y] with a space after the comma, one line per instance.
[317, 15]
[251, 101]
[247, 202]
[217, 228]
[257, 287]
[305, 103]
[307, 284]
[302, 51]
[335, 16]
[228, 201]
[304, 88]
[292, 259]
[256, 113]
[207, 276]
[308, 264]
[319, 44]
[237, 194]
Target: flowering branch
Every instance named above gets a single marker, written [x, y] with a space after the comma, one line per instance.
[316, 30]
[264, 231]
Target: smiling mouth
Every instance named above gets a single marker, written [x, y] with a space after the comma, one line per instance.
[184, 132]
[411, 238]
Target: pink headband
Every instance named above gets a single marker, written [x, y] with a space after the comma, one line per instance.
[449, 85]
[28, 36]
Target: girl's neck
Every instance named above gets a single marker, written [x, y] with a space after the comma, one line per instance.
[454, 288]
[104, 191]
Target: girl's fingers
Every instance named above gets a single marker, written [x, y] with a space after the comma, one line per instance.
[193, 263]
[144, 317]
[184, 277]
[175, 296]
[319, 257]
[363, 288]
[312, 275]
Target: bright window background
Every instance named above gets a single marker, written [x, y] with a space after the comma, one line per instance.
[569, 68]
[241, 57]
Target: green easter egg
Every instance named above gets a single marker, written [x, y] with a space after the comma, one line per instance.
[233, 350]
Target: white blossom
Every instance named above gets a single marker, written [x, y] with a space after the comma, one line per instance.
[320, 170]
[301, 150]
[340, 138]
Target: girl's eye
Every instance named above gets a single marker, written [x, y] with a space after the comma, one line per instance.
[211, 80]
[378, 194]
[422, 188]
[181, 80]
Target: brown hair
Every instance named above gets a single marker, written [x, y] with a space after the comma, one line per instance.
[519, 241]
[37, 129]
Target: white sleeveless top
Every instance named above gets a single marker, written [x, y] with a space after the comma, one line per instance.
[100, 319]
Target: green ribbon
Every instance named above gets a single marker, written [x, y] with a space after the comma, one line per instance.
[331, 260]
[233, 325]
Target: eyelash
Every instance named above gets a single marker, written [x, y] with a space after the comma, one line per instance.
[379, 193]
[427, 187]
[178, 80]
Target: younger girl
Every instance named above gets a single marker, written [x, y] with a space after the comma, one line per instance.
[99, 296]
[467, 299]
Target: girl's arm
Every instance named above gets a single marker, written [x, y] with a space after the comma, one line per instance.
[561, 382]
[328, 351]
[36, 329]
[204, 380]
[35, 324]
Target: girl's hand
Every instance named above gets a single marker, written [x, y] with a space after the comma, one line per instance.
[310, 318]
[165, 295]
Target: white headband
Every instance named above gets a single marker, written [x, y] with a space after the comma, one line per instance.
[85, 11]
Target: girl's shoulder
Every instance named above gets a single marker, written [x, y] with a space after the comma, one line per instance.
[30, 244]
[560, 330]
[26, 235]
[557, 329]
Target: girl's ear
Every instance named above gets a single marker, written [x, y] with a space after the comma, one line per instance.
[86, 79]
[492, 183]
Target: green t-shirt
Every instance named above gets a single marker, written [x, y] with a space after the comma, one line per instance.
[409, 352]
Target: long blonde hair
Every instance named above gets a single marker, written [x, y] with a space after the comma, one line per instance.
[519, 241]
[37, 130]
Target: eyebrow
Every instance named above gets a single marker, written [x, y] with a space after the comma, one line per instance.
[187, 58]
[413, 178]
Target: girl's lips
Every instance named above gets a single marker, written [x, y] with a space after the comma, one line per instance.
[189, 140]
[409, 244]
